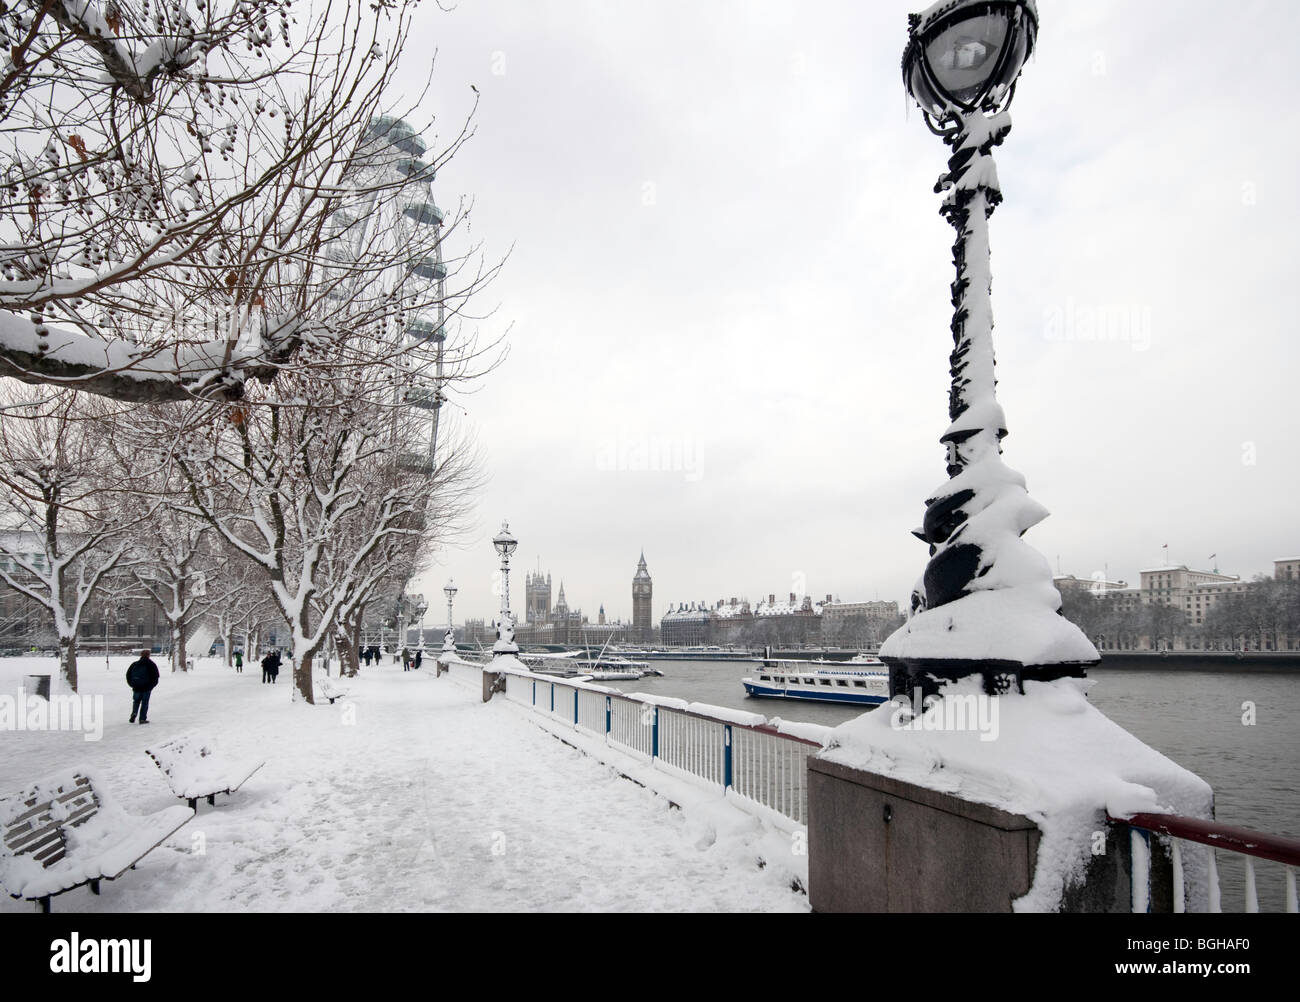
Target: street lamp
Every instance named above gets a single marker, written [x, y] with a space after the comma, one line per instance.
[449, 642]
[986, 605]
[505, 545]
[421, 607]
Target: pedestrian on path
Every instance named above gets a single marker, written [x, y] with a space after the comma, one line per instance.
[142, 677]
[239, 662]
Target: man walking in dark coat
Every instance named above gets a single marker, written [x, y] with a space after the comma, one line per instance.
[271, 666]
[142, 676]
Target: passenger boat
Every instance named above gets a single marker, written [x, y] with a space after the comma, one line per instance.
[614, 675]
[863, 682]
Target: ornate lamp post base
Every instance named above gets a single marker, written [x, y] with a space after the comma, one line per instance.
[929, 676]
[505, 643]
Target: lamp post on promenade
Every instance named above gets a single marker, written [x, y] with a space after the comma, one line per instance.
[449, 641]
[986, 605]
[421, 607]
[505, 545]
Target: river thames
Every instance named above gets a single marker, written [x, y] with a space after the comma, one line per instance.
[1198, 718]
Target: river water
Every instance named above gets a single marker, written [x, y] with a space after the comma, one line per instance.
[1194, 717]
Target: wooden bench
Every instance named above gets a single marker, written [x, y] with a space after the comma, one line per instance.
[61, 833]
[195, 768]
[329, 690]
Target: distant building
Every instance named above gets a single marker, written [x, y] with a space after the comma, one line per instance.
[642, 603]
[686, 627]
[856, 624]
[1194, 592]
[124, 623]
[538, 597]
[794, 622]
[1098, 585]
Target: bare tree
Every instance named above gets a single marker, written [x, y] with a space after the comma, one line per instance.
[313, 485]
[239, 602]
[174, 560]
[63, 505]
[177, 181]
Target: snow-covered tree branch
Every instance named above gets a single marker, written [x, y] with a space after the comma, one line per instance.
[185, 186]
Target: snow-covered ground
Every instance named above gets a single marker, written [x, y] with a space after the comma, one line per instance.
[411, 795]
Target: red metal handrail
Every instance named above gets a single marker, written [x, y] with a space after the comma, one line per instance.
[1277, 848]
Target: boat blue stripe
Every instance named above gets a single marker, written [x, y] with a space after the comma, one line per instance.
[866, 699]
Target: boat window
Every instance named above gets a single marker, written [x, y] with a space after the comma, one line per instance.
[810, 681]
[826, 681]
[843, 682]
[780, 679]
[765, 678]
[858, 683]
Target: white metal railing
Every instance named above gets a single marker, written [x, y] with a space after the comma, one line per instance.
[740, 754]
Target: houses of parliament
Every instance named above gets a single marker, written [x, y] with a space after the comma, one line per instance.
[544, 623]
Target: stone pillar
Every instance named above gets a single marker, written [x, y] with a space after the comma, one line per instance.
[879, 844]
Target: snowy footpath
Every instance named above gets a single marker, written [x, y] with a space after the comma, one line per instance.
[411, 795]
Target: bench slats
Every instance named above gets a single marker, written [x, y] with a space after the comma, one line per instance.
[36, 833]
[82, 814]
[50, 810]
[40, 849]
[24, 841]
[52, 853]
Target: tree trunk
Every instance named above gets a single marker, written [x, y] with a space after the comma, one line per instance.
[68, 661]
[178, 648]
[302, 677]
[350, 648]
[227, 642]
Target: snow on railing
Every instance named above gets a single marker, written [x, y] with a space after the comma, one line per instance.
[1249, 845]
[755, 762]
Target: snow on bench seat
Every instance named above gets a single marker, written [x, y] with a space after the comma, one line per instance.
[328, 689]
[195, 767]
[62, 832]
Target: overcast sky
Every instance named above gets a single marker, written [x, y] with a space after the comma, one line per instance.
[728, 263]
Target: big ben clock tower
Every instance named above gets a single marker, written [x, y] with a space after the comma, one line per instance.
[642, 592]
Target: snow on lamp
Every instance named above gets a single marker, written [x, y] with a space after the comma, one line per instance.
[449, 641]
[986, 605]
[505, 545]
[421, 607]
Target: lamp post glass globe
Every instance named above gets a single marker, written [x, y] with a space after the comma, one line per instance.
[504, 542]
[966, 57]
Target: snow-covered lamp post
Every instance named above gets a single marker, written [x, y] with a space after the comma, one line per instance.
[986, 604]
[505, 545]
[1014, 806]
[449, 641]
[421, 607]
